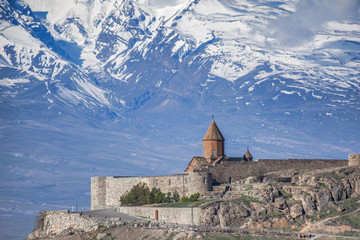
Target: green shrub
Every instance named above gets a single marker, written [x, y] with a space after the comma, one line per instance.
[138, 195]
[159, 197]
[194, 197]
[175, 196]
[184, 199]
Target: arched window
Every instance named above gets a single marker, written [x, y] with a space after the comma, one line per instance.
[214, 152]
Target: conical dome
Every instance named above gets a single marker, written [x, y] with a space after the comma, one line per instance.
[247, 156]
[213, 133]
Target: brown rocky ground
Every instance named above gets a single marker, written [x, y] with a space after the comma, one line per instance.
[123, 232]
[325, 203]
[322, 201]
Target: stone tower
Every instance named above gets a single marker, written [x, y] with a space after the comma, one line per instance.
[213, 143]
[354, 159]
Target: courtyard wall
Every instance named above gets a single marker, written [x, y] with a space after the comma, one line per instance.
[106, 191]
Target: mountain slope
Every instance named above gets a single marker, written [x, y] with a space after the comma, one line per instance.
[128, 88]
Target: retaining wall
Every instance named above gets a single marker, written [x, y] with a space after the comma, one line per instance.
[189, 216]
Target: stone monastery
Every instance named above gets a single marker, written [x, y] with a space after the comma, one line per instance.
[202, 173]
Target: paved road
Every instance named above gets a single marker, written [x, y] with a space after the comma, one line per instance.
[111, 213]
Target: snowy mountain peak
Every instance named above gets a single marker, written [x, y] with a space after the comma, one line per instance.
[101, 87]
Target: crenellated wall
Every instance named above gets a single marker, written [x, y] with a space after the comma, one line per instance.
[106, 191]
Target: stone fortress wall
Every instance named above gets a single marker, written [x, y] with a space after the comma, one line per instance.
[238, 170]
[106, 191]
[211, 168]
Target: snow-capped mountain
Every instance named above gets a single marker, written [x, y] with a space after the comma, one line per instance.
[102, 87]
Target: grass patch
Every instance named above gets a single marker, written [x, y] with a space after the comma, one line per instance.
[348, 171]
[232, 236]
[171, 236]
[336, 177]
[187, 204]
[349, 205]
[312, 218]
[299, 222]
[286, 229]
[270, 215]
[146, 236]
[352, 219]
[351, 234]
[247, 200]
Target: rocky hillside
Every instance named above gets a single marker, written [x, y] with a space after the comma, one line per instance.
[326, 200]
[128, 87]
[280, 205]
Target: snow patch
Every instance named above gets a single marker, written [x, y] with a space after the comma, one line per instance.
[7, 82]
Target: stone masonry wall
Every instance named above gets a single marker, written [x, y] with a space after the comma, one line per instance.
[98, 192]
[238, 170]
[189, 216]
[354, 159]
[106, 191]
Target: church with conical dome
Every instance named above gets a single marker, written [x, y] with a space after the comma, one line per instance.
[212, 168]
[214, 151]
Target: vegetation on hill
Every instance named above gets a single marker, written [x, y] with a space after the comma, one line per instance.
[140, 194]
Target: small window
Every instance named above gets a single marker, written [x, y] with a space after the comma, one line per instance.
[214, 152]
[156, 183]
[204, 152]
[204, 180]
[169, 181]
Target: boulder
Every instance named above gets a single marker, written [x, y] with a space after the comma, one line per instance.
[296, 210]
[280, 203]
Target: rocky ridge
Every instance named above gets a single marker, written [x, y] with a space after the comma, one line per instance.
[316, 202]
[266, 203]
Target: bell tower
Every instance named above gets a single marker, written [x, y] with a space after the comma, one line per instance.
[213, 143]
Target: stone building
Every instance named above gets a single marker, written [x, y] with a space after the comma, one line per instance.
[212, 168]
[214, 151]
[106, 191]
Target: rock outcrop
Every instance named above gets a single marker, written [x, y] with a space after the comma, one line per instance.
[55, 223]
[274, 201]
[274, 204]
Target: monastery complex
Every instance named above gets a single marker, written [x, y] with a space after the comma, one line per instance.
[205, 172]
